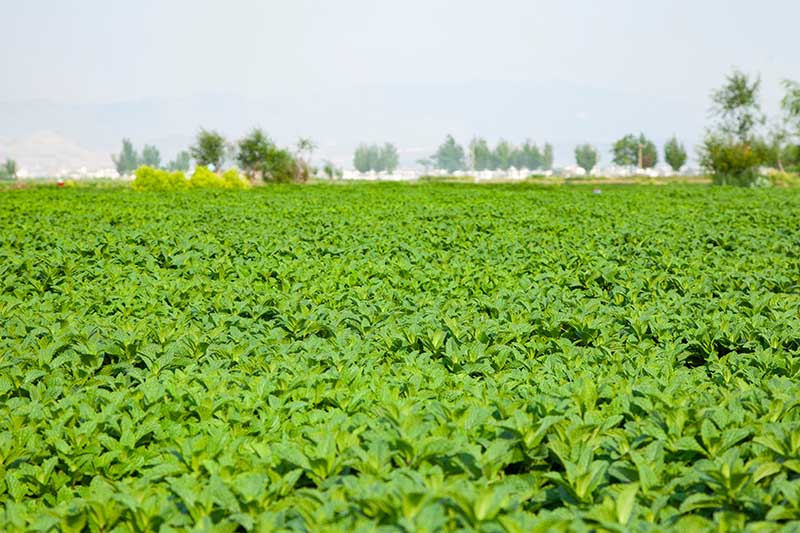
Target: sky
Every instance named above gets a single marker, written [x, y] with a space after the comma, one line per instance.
[305, 67]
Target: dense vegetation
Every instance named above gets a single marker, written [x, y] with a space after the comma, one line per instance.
[374, 158]
[8, 170]
[417, 357]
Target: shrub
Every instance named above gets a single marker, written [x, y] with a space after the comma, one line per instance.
[203, 178]
[233, 180]
[733, 162]
[153, 179]
[281, 167]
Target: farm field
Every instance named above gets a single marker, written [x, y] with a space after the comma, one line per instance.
[393, 357]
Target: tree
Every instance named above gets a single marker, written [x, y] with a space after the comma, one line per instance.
[424, 162]
[674, 154]
[502, 155]
[331, 171]
[127, 161]
[788, 139]
[449, 156]
[586, 157]
[281, 167]
[259, 156]
[736, 106]
[361, 158]
[371, 157]
[480, 154]
[209, 149]
[151, 157]
[254, 152]
[632, 150]
[547, 157]
[790, 104]
[529, 157]
[390, 159]
[733, 151]
[374, 158]
[181, 163]
[305, 149]
[9, 170]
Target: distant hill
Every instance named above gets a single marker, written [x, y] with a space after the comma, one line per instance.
[46, 153]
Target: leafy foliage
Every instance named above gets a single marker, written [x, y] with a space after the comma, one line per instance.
[154, 179]
[586, 157]
[182, 162]
[731, 162]
[8, 171]
[635, 151]
[331, 171]
[374, 158]
[151, 157]
[209, 149]
[400, 358]
[260, 157]
[505, 155]
[547, 156]
[449, 156]
[733, 151]
[127, 161]
[736, 106]
[675, 154]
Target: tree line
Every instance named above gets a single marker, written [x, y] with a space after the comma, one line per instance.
[371, 157]
[636, 151]
[737, 144]
[452, 157]
[129, 159]
[630, 150]
[256, 154]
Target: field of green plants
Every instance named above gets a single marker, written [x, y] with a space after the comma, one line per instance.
[438, 357]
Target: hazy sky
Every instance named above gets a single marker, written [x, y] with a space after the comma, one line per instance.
[105, 51]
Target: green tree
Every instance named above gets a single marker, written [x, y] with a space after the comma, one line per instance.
[306, 148]
[480, 155]
[209, 149]
[547, 157]
[390, 159]
[374, 160]
[254, 152]
[530, 157]
[502, 155]
[127, 161]
[281, 167]
[331, 171]
[9, 170]
[732, 151]
[736, 106]
[790, 105]
[425, 163]
[788, 138]
[151, 157]
[181, 163]
[361, 158]
[675, 154]
[635, 151]
[449, 156]
[305, 151]
[586, 157]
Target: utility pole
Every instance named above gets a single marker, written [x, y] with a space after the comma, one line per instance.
[640, 154]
